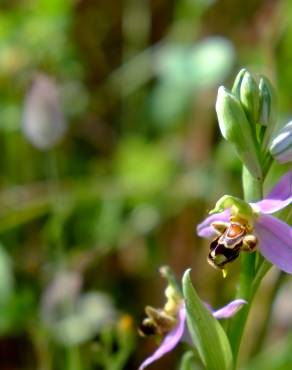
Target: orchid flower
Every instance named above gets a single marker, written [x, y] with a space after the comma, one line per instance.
[274, 237]
[179, 331]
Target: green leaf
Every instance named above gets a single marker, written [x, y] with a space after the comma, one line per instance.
[207, 334]
[188, 362]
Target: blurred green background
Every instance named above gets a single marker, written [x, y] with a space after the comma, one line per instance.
[110, 156]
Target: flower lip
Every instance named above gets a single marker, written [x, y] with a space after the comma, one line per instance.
[273, 237]
[220, 255]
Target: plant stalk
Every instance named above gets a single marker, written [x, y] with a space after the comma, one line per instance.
[252, 189]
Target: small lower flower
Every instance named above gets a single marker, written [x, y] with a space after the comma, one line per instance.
[170, 321]
[241, 226]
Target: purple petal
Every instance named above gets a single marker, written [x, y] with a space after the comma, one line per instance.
[275, 241]
[280, 197]
[205, 230]
[170, 341]
[230, 309]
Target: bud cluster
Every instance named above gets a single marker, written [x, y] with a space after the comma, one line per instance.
[247, 117]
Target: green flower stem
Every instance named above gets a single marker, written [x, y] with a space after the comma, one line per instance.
[266, 322]
[74, 358]
[246, 289]
[252, 188]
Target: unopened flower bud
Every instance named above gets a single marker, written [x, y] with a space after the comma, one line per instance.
[237, 83]
[236, 128]
[249, 97]
[43, 119]
[281, 146]
[267, 110]
[267, 102]
[246, 91]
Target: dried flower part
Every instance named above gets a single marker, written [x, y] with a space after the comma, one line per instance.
[160, 321]
[44, 123]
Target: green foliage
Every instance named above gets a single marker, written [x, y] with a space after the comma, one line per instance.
[205, 330]
[188, 362]
[140, 164]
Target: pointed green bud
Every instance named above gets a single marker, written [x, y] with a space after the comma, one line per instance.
[238, 208]
[236, 128]
[281, 147]
[249, 97]
[237, 83]
[267, 109]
